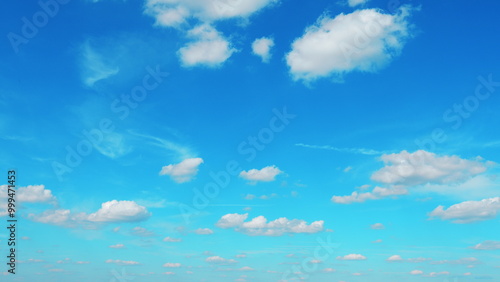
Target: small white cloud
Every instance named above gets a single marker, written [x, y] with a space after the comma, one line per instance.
[172, 264]
[416, 272]
[395, 258]
[170, 239]
[203, 231]
[183, 171]
[141, 232]
[265, 174]
[117, 246]
[377, 226]
[209, 48]
[377, 241]
[376, 194]
[231, 220]
[122, 262]
[246, 268]
[365, 40]
[354, 3]
[219, 260]
[352, 257]
[487, 245]
[328, 270]
[469, 211]
[262, 48]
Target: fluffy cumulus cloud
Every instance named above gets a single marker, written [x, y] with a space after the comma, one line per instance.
[487, 245]
[119, 211]
[365, 40]
[175, 13]
[352, 257]
[110, 212]
[423, 167]
[416, 272]
[172, 264]
[469, 211]
[265, 174]
[27, 194]
[183, 171]
[376, 194]
[262, 48]
[259, 226]
[398, 258]
[208, 48]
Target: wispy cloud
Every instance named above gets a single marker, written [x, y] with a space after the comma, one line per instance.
[361, 151]
[94, 66]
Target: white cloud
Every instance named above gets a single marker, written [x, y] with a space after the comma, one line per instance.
[365, 40]
[354, 3]
[398, 258]
[423, 167]
[469, 211]
[219, 260]
[352, 257]
[119, 211]
[377, 226]
[209, 48]
[231, 220]
[122, 262]
[328, 270]
[94, 66]
[434, 274]
[259, 226]
[468, 261]
[174, 13]
[262, 48]
[110, 212]
[27, 194]
[183, 171]
[117, 246]
[246, 268]
[172, 264]
[362, 151]
[416, 272]
[141, 232]
[203, 231]
[170, 239]
[487, 245]
[376, 194]
[265, 174]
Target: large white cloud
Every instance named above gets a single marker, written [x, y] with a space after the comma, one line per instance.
[119, 211]
[265, 174]
[175, 13]
[469, 211]
[423, 167]
[30, 194]
[183, 171]
[365, 40]
[110, 212]
[259, 226]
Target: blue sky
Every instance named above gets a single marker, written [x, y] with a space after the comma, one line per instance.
[265, 140]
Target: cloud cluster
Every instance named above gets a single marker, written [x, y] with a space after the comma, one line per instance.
[469, 211]
[219, 260]
[27, 194]
[183, 171]
[365, 40]
[259, 226]
[376, 194]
